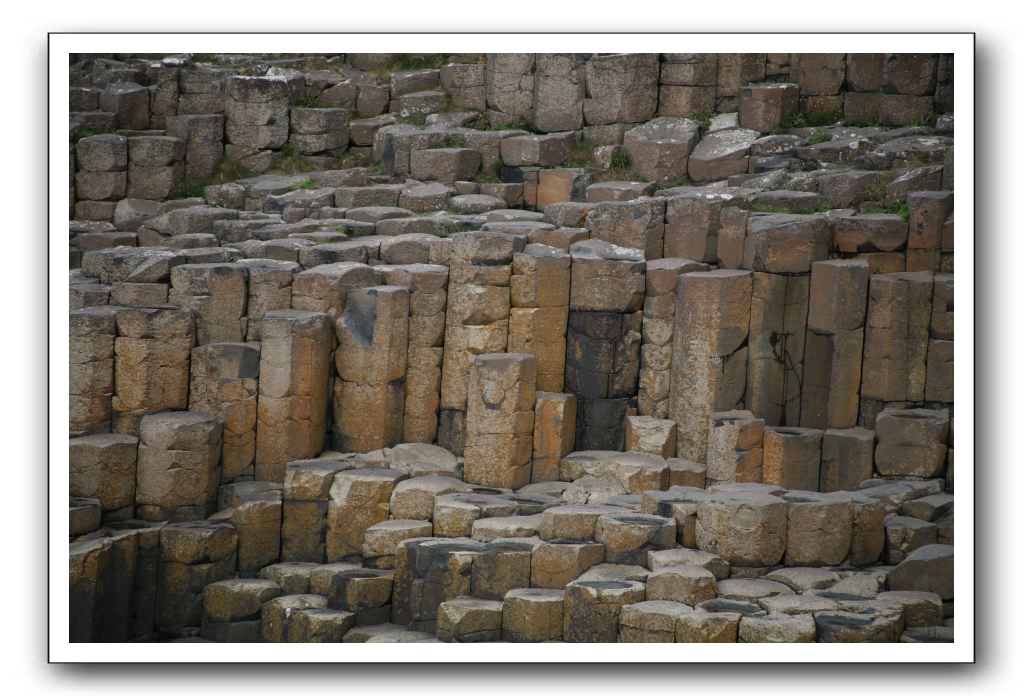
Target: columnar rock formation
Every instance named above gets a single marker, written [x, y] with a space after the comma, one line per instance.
[369, 392]
[518, 347]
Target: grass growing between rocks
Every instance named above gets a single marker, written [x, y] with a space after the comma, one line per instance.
[402, 62]
[292, 162]
[897, 208]
[193, 187]
[819, 136]
[581, 155]
[82, 133]
[481, 122]
[493, 176]
[307, 101]
[812, 119]
[702, 121]
[621, 168]
[351, 159]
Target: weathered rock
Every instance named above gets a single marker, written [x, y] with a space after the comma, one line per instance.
[293, 368]
[709, 357]
[178, 466]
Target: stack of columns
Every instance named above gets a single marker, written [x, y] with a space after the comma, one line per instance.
[92, 331]
[102, 466]
[253, 508]
[928, 213]
[479, 302]
[155, 166]
[369, 392]
[895, 342]
[102, 175]
[499, 420]
[304, 508]
[256, 111]
[151, 365]
[217, 294]
[147, 564]
[834, 344]
[604, 334]
[192, 555]
[102, 565]
[540, 284]
[203, 135]
[658, 332]
[178, 467]
[940, 346]
[294, 365]
[427, 287]
[708, 366]
[428, 572]
[225, 383]
[269, 289]
[777, 332]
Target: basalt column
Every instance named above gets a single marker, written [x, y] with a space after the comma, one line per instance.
[895, 342]
[92, 333]
[479, 301]
[427, 287]
[369, 392]
[658, 332]
[499, 420]
[225, 383]
[294, 365]
[151, 359]
[777, 333]
[708, 367]
[604, 332]
[834, 344]
[539, 313]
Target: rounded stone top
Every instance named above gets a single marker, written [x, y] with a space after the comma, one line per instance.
[600, 250]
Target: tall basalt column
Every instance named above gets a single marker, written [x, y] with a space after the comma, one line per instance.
[369, 392]
[225, 383]
[479, 302]
[658, 332]
[294, 365]
[540, 284]
[777, 332]
[151, 363]
[895, 342]
[427, 286]
[834, 344]
[604, 333]
[269, 289]
[941, 347]
[499, 420]
[91, 335]
[708, 367]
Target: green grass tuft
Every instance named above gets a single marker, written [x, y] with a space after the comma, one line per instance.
[581, 155]
[702, 121]
[819, 136]
[620, 158]
[188, 188]
[307, 101]
[82, 133]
